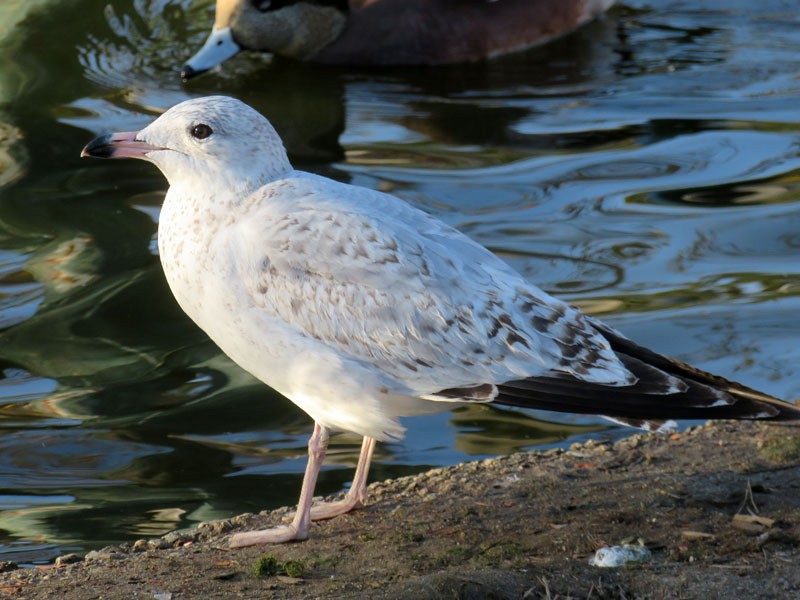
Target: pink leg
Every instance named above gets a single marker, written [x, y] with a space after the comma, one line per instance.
[298, 529]
[357, 495]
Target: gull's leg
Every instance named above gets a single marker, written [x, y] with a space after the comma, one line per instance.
[357, 495]
[298, 529]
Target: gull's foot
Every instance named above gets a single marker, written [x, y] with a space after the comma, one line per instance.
[276, 535]
[328, 510]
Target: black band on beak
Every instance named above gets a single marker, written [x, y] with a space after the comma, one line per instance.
[99, 147]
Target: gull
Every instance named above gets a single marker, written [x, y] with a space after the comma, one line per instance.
[362, 309]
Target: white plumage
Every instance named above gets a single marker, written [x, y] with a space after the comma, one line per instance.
[362, 309]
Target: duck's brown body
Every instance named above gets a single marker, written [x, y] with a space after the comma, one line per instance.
[432, 32]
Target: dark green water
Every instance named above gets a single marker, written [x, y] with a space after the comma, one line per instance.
[645, 168]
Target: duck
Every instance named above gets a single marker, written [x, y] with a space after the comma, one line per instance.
[374, 33]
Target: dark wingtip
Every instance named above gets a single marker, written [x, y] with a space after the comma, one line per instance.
[783, 411]
[99, 147]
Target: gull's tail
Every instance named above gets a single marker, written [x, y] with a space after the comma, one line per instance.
[653, 398]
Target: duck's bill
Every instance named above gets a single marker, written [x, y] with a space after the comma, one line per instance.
[118, 145]
[219, 47]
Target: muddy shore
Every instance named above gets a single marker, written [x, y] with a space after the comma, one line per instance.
[519, 526]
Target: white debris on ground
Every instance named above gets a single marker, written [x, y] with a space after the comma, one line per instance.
[619, 556]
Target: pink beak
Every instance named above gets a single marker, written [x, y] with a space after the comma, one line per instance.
[118, 145]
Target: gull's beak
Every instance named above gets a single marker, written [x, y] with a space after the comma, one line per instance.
[118, 145]
[219, 46]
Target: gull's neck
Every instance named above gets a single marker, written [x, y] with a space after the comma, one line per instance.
[224, 191]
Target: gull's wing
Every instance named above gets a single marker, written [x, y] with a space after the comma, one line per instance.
[405, 295]
[391, 287]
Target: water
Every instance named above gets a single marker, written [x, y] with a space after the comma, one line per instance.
[645, 168]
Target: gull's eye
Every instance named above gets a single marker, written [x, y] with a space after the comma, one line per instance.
[201, 131]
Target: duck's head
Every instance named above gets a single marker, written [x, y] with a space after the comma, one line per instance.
[294, 28]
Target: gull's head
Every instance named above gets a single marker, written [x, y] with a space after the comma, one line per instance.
[217, 142]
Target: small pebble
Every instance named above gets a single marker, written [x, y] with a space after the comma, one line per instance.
[98, 555]
[67, 559]
[216, 527]
[7, 565]
[158, 544]
[177, 539]
[242, 519]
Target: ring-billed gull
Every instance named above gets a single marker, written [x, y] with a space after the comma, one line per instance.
[361, 309]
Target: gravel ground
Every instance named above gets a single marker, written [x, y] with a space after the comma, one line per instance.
[717, 507]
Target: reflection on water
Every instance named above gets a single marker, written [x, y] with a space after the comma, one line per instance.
[645, 168]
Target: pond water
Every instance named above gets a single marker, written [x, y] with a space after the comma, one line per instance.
[645, 168]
